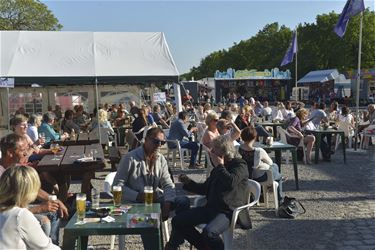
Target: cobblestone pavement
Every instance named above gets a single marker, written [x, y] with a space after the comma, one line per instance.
[339, 199]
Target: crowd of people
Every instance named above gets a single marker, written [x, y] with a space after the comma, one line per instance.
[227, 132]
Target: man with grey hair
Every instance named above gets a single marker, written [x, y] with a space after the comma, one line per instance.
[224, 190]
[47, 128]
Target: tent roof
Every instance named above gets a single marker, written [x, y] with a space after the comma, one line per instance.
[319, 76]
[106, 55]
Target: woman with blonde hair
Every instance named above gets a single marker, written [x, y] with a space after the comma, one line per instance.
[295, 129]
[19, 228]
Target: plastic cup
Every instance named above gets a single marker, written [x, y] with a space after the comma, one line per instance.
[149, 195]
[95, 198]
[81, 206]
[117, 194]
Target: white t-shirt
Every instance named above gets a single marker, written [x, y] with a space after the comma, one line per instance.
[20, 230]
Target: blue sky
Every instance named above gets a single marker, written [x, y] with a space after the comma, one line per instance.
[193, 29]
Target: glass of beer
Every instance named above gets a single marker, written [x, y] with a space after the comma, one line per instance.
[149, 195]
[81, 206]
[55, 149]
[117, 193]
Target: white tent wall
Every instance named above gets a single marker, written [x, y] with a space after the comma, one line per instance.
[120, 93]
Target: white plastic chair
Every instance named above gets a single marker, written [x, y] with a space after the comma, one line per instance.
[179, 150]
[348, 131]
[274, 185]
[253, 187]
[283, 134]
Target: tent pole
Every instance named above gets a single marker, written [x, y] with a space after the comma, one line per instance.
[358, 81]
[296, 67]
[8, 106]
[97, 108]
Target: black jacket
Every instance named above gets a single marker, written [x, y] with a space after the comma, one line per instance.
[225, 189]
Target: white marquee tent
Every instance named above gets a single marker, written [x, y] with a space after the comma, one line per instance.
[55, 54]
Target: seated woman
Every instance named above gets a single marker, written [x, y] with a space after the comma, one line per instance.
[20, 229]
[211, 131]
[32, 129]
[139, 123]
[258, 160]
[295, 130]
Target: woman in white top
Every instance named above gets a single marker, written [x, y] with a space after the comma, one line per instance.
[32, 129]
[19, 228]
[258, 161]
[346, 121]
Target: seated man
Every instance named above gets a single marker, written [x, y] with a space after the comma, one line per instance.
[47, 128]
[145, 166]
[14, 150]
[224, 190]
[178, 131]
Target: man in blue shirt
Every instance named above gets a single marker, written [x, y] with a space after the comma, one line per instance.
[178, 131]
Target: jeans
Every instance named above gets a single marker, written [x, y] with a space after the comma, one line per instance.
[180, 204]
[194, 147]
[50, 228]
[325, 147]
[261, 131]
[183, 227]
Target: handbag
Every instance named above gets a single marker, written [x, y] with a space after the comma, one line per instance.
[289, 208]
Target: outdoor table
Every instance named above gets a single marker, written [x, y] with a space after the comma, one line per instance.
[81, 139]
[118, 227]
[318, 133]
[278, 147]
[274, 126]
[66, 164]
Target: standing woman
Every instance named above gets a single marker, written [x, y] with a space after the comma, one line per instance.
[19, 228]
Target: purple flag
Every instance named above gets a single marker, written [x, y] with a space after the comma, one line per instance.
[288, 58]
[352, 8]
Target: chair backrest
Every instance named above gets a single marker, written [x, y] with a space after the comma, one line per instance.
[253, 187]
[282, 132]
[108, 181]
[346, 127]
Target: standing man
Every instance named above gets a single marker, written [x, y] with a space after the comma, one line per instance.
[178, 131]
[146, 166]
[317, 116]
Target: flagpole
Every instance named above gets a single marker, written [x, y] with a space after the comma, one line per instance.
[358, 79]
[296, 67]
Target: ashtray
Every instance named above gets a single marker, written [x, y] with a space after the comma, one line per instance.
[102, 212]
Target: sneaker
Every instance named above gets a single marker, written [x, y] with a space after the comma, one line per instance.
[196, 166]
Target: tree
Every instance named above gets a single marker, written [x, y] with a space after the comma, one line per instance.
[318, 48]
[26, 15]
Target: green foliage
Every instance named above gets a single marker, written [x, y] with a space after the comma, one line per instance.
[26, 15]
[318, 48]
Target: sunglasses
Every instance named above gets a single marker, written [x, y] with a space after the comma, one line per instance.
[158, 142]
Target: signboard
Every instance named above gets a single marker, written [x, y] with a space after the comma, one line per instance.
[6, 82]
[159, 97]
[253, 74]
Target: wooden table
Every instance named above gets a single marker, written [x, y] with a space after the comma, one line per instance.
[66, 160]
[66, 165]
[274, 126]
[81, 139]
[278, 147]
[119, 227]
[318, 133]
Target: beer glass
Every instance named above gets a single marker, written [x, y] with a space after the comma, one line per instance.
[81, 206]
[149, 195]
[55, 149]
[117, 193]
